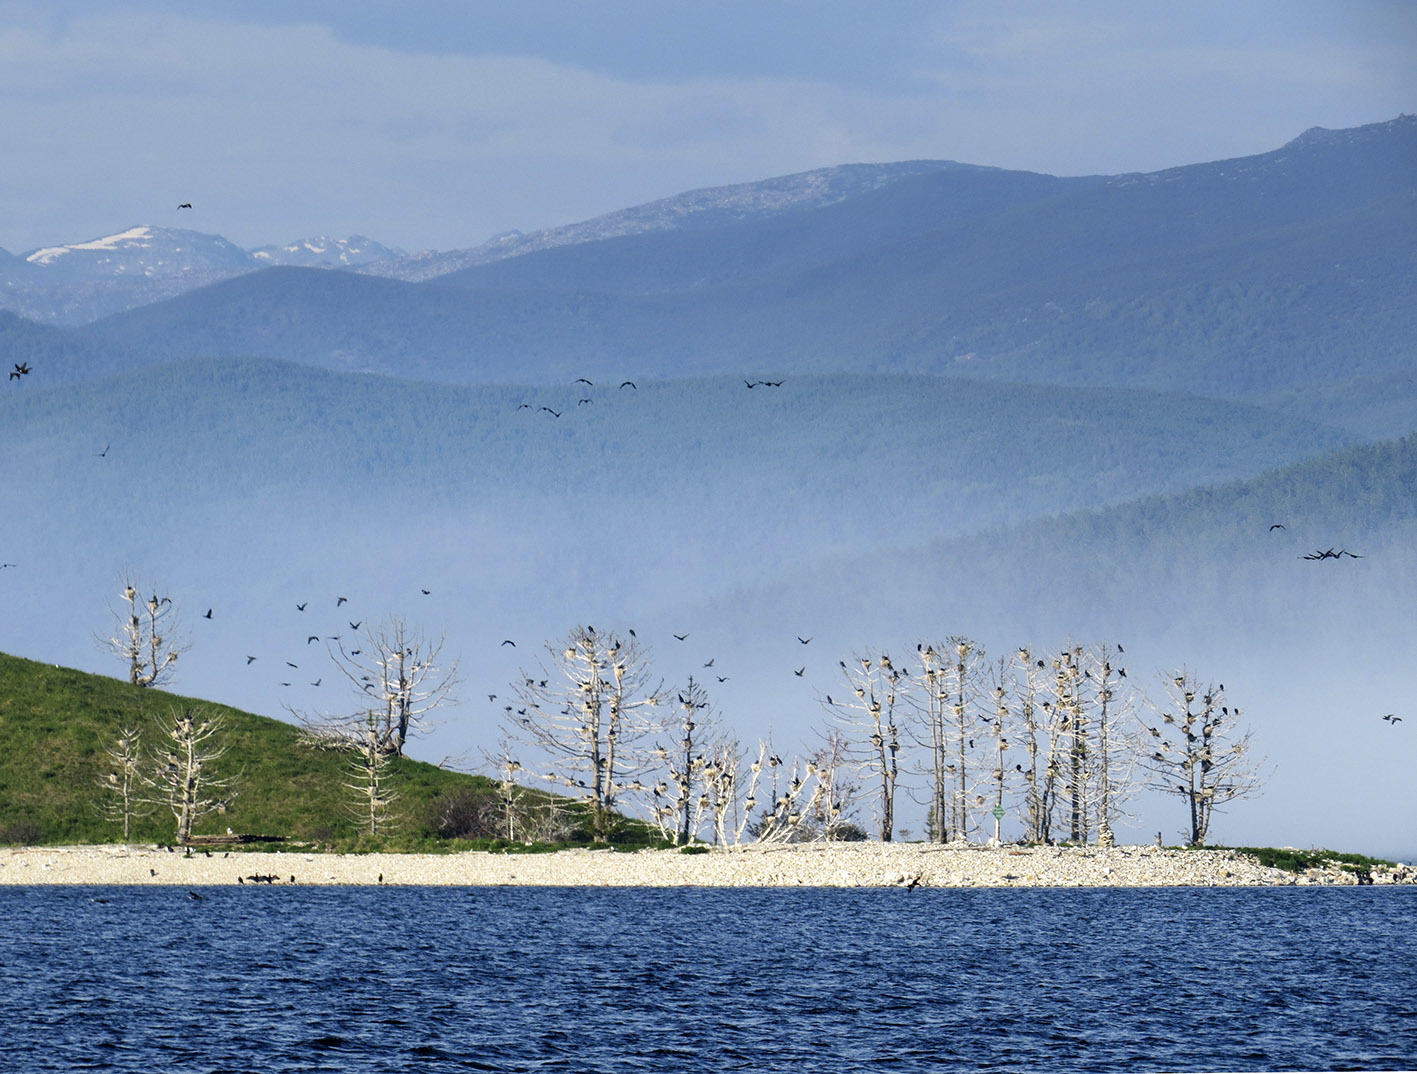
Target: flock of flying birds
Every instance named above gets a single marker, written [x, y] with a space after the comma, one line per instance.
[22, 369]
[586, 400]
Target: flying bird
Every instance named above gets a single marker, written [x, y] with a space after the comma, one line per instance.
[356, 626]
[509, 641]
[626, 384]
[800, 671]
[104, 453]
[681, 637]
[301, 607]
[312, 637]
[426, 592]
[21, 369]
[1277, 526]
[208, 614]
[341, 600]
[1394, 720]
[582, 380]
[184, 205]
[250, 660]
[805, 641]
[553, 413]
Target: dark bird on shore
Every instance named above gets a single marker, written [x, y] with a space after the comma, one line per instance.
[301, 607]
[630, 384]
[21, 369]
[680, 637]
[800, 671]
[184, 205]
[915, 882]
[805, 641]
[208, 614]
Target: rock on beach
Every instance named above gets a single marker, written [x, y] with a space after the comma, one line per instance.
[811, 865]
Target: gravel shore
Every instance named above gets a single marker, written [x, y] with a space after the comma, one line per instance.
[812, 865]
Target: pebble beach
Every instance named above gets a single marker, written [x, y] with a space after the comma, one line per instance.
[809, 865]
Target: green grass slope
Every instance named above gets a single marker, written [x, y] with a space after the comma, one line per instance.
[57, 725]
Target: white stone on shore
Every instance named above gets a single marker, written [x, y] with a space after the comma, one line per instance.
[819, 865]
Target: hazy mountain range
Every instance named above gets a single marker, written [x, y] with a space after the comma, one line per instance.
[865, 405]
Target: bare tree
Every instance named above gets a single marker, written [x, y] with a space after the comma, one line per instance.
[1202, 755]
[866, 718]
[123, 780]
[1118, 748]
[145, 636]
[686, 763]
[401, 676]
[591, 714]
[1038, 722]
[181, 775]
[951, 685]
[368, 777]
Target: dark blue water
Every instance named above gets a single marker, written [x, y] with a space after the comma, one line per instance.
[665, 980]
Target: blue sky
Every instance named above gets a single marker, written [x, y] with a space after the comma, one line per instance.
[438, 124]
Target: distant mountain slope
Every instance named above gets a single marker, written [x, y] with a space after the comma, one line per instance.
[1250, 277]
[249, 485]
[705, 209]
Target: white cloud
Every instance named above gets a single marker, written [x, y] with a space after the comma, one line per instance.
[276, 132]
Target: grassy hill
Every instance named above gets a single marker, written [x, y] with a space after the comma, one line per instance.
[57, 724]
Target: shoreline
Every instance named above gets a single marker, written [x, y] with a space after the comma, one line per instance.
[755, 865]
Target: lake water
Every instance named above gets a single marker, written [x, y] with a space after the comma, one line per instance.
[668, 980]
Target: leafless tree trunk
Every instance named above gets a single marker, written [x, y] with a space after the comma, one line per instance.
[123, 780]
[590, 714]
[686, 763]
[952, 681]
[181, 776]
[866, 718]
[369, 774]
[145, 636]
[401, 678]
[1040, 739]
[1203, 757]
